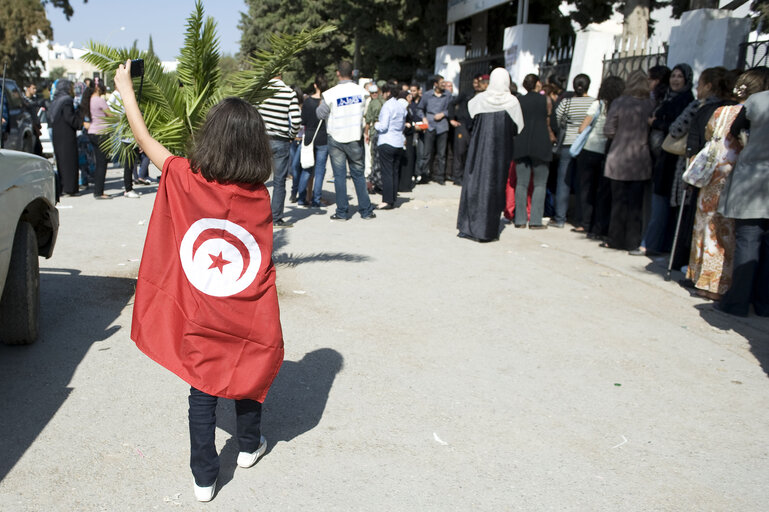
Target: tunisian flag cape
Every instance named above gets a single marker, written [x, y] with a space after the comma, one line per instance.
[206, 306]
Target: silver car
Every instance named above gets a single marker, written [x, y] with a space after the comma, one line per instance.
[19, 132]
[28, 228]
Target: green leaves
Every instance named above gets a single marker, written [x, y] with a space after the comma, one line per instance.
[175, 104]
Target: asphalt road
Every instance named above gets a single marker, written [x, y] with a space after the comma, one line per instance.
[422, 372]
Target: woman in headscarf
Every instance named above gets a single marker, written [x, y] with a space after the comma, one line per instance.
[65, 123]
[678, 96]
[629, 162]
[497, 118]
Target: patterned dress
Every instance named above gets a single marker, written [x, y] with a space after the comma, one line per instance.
[712, 251]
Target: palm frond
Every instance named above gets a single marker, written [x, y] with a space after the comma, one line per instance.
[175, 104]
[251, 84]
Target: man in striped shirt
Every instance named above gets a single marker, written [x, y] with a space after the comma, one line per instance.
[281, 119]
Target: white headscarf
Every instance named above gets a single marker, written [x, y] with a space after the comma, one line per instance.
[497, 97]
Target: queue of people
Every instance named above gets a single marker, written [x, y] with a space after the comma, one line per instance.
[616, 167]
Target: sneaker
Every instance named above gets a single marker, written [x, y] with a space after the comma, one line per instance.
[142, 181]
[370, 216]
[338, 217]
[204, 493]
[132, 194]
[280, 223]
[246, 460]
[292, 198]
[554, 224]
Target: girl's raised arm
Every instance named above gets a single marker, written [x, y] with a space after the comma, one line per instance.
[156, 152]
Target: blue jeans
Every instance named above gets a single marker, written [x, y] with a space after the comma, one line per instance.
[321, 156]
[204, 460]
[563, 187]
[280, 160]
[296, 167]
[340, 154]
[654, 239]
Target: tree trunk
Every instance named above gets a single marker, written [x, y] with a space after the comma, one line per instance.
[635, 27]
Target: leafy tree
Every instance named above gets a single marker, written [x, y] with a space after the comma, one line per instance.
[384, 38]
[175, 104]
[56, 73]
[20, 21]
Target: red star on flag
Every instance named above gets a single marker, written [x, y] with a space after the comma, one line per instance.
[218, 262]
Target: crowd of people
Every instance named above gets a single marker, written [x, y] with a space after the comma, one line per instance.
[76, 113]
[616, 167]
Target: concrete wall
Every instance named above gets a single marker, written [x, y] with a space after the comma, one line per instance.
[590, 48]
[707, 38]
[525, 47]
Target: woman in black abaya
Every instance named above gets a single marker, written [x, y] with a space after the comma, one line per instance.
[64, 122]
[497, 118]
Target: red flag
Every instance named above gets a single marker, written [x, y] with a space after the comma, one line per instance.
[206, 306]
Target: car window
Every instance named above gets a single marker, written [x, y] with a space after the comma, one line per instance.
[14, 96]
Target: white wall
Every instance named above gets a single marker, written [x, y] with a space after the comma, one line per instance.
[590, 48]
[525, 47]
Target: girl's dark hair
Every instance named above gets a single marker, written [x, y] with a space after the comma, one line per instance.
[612, 88]
[530, 82]
[661, 73]
[232, 145]
[581, 84]
[721, 81]
[322, 82]
[85, 102]
[402, 95]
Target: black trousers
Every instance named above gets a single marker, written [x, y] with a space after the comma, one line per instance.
[750, 277]
[390, 163]
[626, 223]
[128, 171]
[204, 461]
[100, 171]
[461, 143]
[589, 172]
[408, 163]
[435, 146]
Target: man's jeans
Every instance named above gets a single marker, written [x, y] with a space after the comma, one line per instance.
[280, 159]
[435, 145]
[340, 154]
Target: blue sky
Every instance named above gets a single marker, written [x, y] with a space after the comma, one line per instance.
[101, 20]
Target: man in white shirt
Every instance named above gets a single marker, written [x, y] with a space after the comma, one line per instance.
[342, 107]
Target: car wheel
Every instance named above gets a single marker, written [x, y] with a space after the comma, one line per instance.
[20, 303]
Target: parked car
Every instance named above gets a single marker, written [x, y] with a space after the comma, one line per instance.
[19, 133]
[45, 135]
[30, 223]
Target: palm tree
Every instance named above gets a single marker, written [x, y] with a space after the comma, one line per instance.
[176, 103]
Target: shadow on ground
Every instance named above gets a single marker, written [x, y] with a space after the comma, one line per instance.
[289, 259]
[76, 311]
[754, 329]
[294, 405]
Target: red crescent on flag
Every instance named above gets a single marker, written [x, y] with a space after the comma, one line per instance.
[212, 233]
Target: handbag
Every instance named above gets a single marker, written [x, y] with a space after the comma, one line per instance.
[562, 128]
[701, 168]
[581, 139]
[674, 146]
[307, 151]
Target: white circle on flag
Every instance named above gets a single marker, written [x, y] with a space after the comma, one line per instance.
[219, 257]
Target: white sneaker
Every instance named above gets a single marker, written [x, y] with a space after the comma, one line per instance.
[204, 493]
[132, 194]
[246, 460]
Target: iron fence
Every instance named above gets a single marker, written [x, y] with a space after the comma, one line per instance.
[557, 63]
[621, 64]
[478, 65]
[753, 54]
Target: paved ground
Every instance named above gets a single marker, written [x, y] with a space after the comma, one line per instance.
[422, 372]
